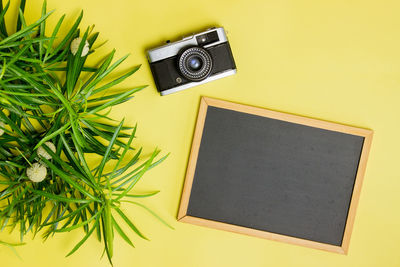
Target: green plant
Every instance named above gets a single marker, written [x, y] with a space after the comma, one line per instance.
[54, 113]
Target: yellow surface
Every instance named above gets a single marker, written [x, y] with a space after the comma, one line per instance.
[334, 60]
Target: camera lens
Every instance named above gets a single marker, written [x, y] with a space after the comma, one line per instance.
[195, 64]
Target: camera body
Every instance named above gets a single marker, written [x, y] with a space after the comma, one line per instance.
[194, 60]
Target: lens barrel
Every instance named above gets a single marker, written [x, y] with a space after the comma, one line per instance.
[195, 64]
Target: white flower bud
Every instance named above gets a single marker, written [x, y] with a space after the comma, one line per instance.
[43, 153]
[75, 46]
[1, 128]
[36, 173]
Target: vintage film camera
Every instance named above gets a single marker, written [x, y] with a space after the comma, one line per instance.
[194, 60]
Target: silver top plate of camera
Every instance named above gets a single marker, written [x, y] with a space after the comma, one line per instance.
[173, 49]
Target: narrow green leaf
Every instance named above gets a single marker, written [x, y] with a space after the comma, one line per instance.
[75, 226]
[116, 99]
[109, 148]
[67, 37]
[109, 256]
[60, 198]
[3, 29]
[42, 28]
[87, 69]
[23, 93]
[108, 228]
[7, 162]
[129, 223]
[22, 8]
[8, 182]
[82, 159]
[22, 42]
[95, 102]
[53, 37]
[12, 244]
[53, 134]
[80, 243]
[126, 148]
[75, 65]
[121, 232]
[76, 132]
[141, 195]
[116, 81]
[150, 211]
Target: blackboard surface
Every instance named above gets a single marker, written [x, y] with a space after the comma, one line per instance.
[274, 175]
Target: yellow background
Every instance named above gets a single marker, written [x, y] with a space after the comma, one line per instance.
[334, 60]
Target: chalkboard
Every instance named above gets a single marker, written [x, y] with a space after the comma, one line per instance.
[274, 175]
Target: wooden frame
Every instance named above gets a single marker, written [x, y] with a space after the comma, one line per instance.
[205, 102]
